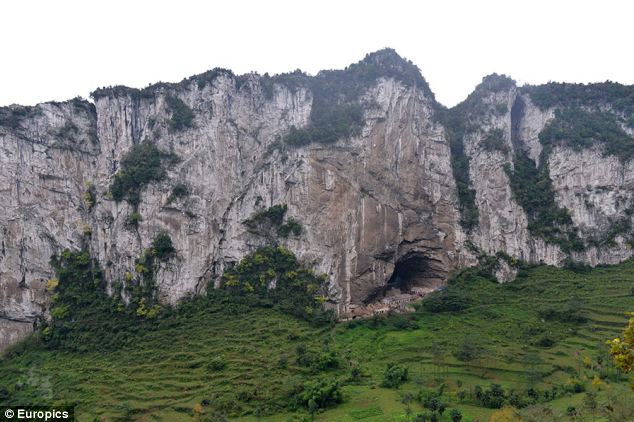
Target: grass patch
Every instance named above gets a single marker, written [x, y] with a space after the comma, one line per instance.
[243, 361]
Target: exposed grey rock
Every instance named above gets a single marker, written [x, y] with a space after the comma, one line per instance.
[372, 207]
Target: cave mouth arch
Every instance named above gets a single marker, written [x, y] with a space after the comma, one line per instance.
[410, 271]
[413, 276]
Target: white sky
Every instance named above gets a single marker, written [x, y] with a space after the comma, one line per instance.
[58, 49]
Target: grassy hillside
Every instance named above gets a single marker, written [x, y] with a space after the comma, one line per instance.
[546, 331]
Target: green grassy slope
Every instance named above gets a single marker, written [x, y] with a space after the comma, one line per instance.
[165, 373]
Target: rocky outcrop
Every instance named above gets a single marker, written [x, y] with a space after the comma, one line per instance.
[379, 209]
[594, 187]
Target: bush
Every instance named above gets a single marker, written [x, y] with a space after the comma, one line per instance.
[162, 247]
[451, 299]
[545, 341]
[431, 400]
[180, 190]
[455, 415]
[394, 376]
[182, 115]
[272, 276]
[318, 394]
[140, 166]
[291, 226]
[468, 350]
[570, 312]
[90, 196]
[273, 215]
[494, 141]
[133, 220]
[326, 360]
[216, 364]
[493, 398]
[400, 322]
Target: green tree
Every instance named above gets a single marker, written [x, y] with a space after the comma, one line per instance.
[394, 376]
[455, 415]
[622, 349]
[590, 403]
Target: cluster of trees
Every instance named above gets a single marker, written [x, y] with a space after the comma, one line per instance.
[619, 97]
[394, 375]
[579, 129]
[329, 125]
[336, 112]
[533, 190]
[182, 115]
[318, 394]
[151, 91]
[270, 221]
[142, 164]
[272, 276]
[12, 117]
[493, 140]
[85, 317]
[317, 361]
[450, 299]
[78, 300]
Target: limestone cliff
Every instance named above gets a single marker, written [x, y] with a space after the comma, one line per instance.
[379, 208]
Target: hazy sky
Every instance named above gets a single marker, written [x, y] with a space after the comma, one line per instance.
[58, 49]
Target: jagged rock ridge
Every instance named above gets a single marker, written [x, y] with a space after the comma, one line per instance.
[376, 184]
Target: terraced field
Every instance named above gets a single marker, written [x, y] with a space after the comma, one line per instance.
[214, 365]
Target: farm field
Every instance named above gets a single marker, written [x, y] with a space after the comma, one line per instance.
[546, 331]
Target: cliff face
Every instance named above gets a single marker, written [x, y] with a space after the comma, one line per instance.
[593, 187]
[379, 209]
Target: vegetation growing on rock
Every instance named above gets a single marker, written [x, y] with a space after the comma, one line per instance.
[336, 112]
[283, 362]
[453, 120]
[459, 122]
[494, 140]
[141, 165]
[272, 276]
[553, 94]
[182, 115]
[533, 190]
[578, 129]
[270, 222]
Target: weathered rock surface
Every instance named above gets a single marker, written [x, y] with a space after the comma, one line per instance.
[378, 210]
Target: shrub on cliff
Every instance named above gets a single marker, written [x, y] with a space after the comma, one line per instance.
[273, 276]
[182, 116]
[142, 164]
[578, 129]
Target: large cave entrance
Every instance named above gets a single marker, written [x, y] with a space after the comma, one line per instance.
[409, 271]
[413, 277]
